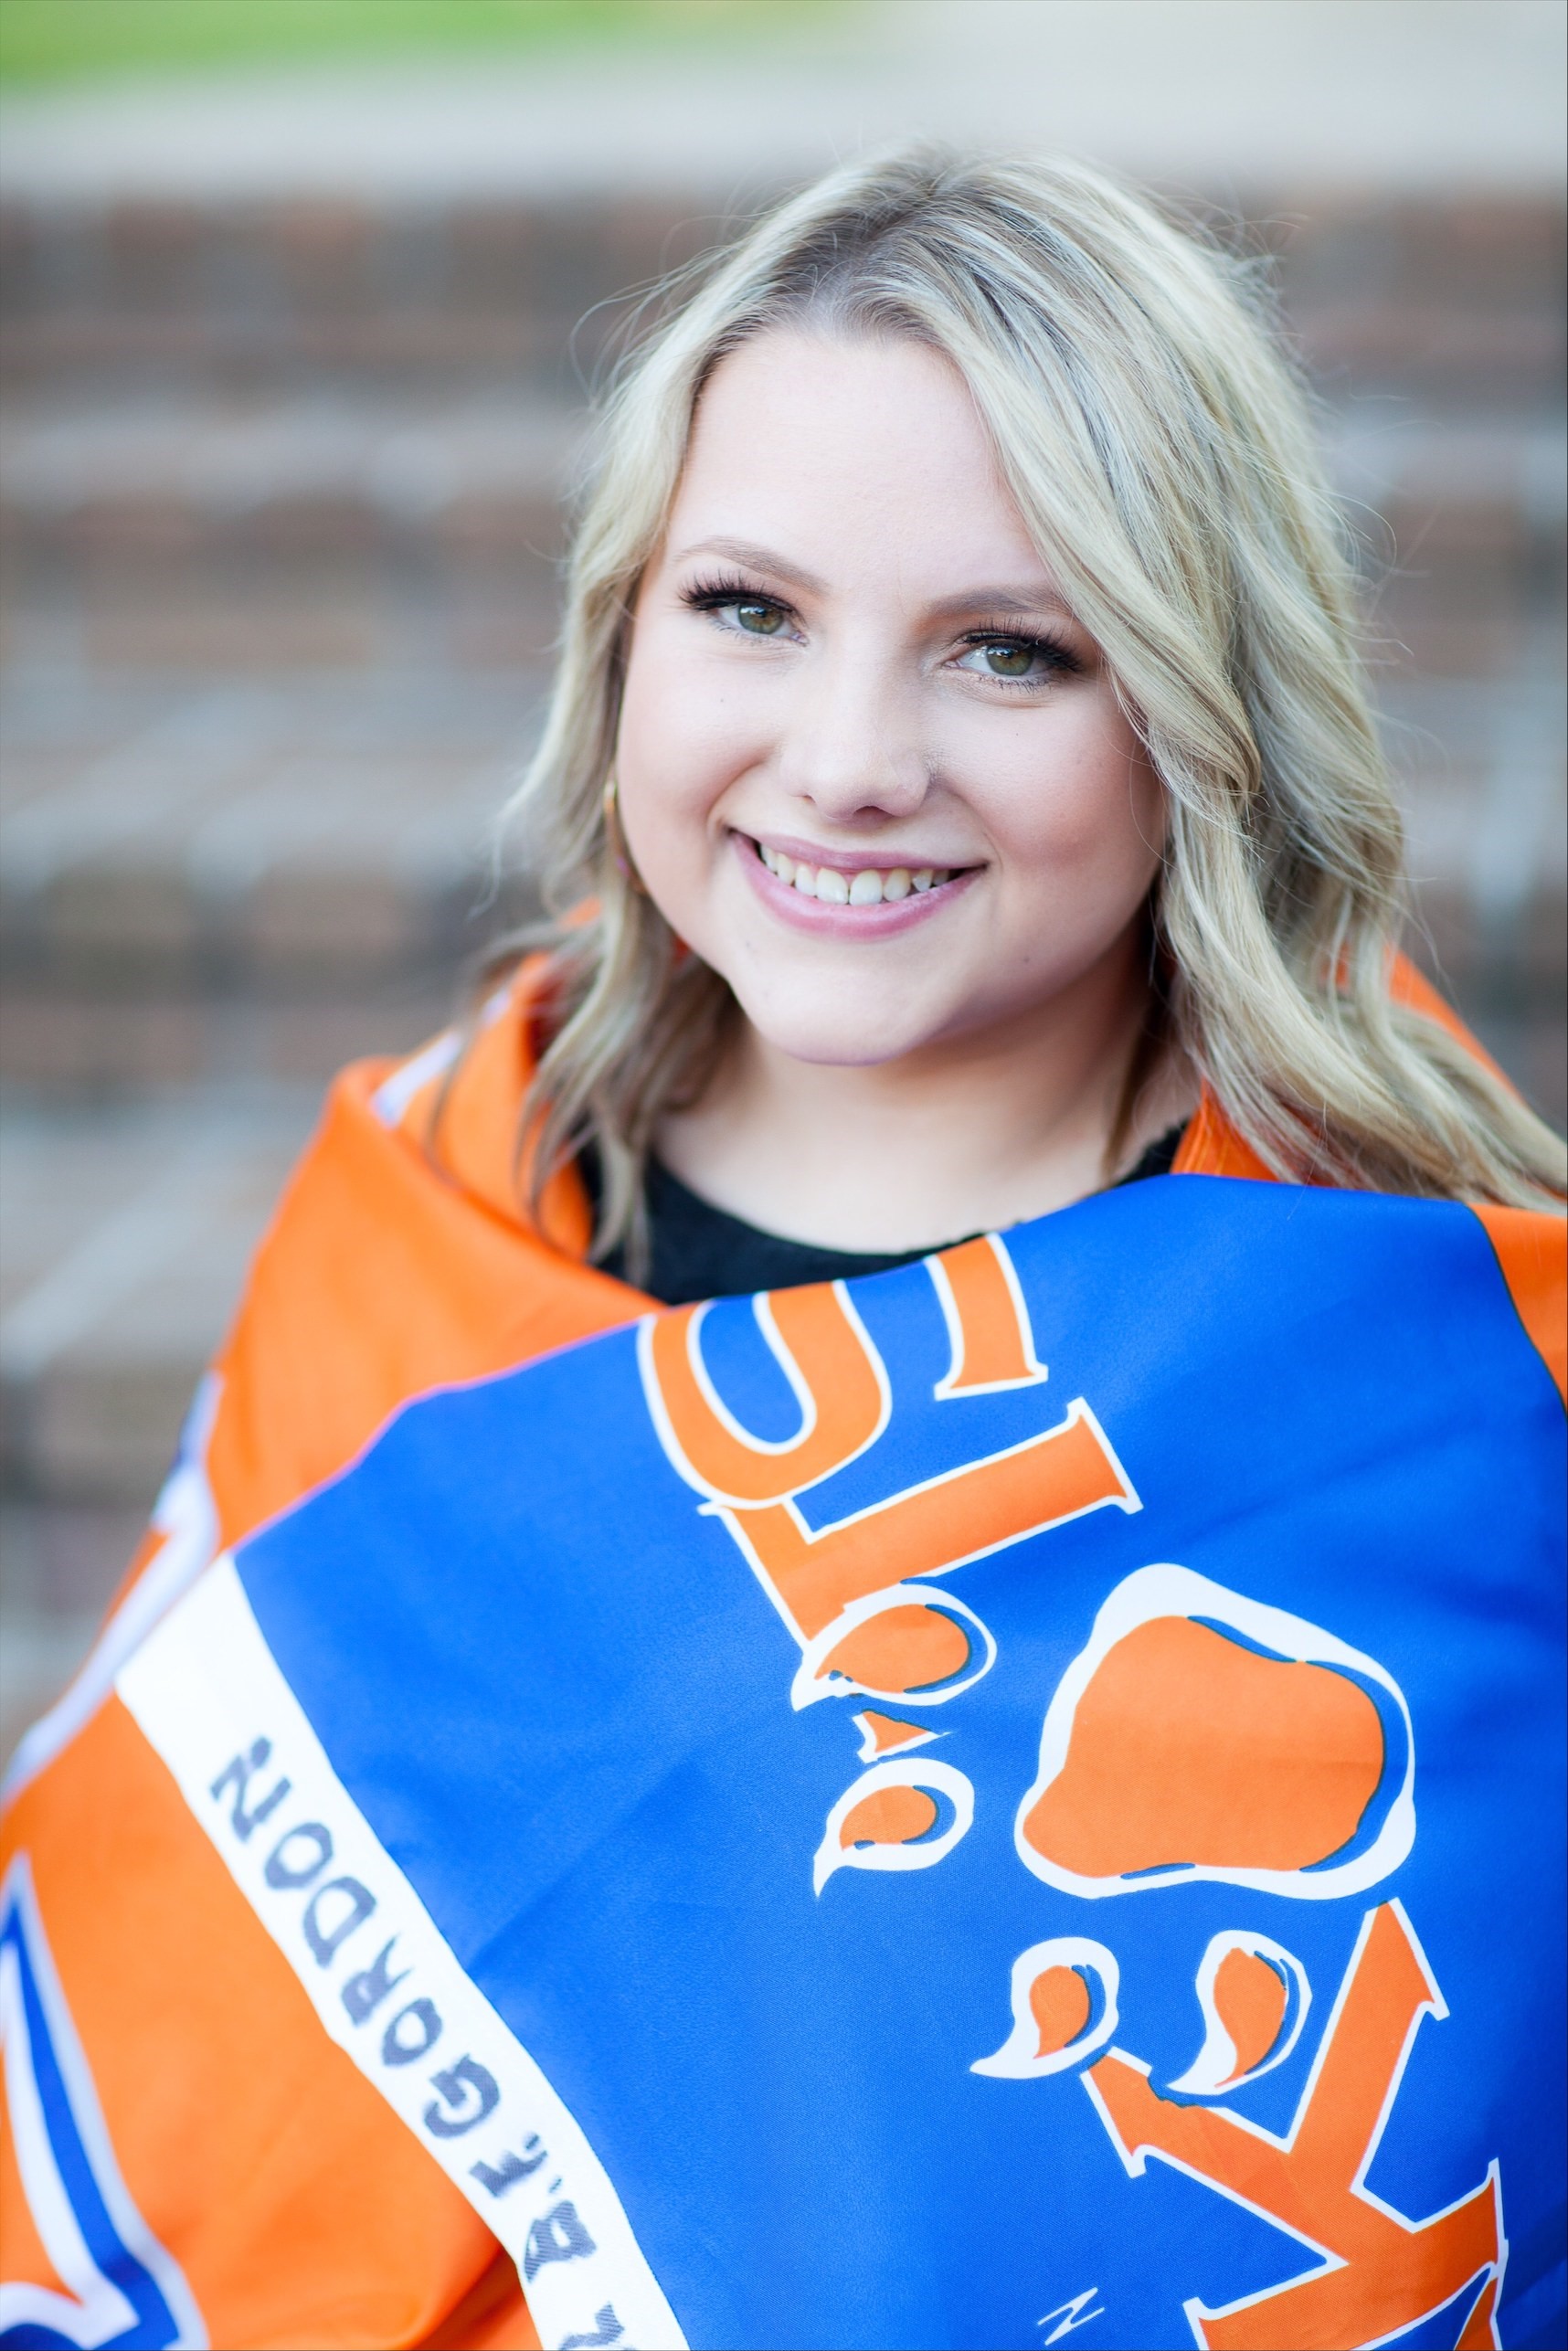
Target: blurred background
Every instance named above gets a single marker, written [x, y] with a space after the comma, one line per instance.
[298, 301]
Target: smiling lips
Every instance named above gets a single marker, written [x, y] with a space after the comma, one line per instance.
[867, 886]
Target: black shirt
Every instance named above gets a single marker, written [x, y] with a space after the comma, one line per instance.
[702, 1252]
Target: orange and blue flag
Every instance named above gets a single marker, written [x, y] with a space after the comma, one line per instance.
[1013, 1800]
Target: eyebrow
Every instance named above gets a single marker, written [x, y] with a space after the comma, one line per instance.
[1021, 600]
[758, 559]
[1016, 599]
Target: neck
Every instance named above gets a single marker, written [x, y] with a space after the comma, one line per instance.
[970, 1132]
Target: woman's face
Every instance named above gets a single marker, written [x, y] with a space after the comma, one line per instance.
[871, 768]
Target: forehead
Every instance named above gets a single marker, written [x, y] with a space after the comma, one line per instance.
[848, 449]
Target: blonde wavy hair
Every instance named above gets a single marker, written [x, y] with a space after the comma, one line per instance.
[1160, 448]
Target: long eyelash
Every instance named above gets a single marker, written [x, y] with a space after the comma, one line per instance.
[725, 587]
[1059, 654]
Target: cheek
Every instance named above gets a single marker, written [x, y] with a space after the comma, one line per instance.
[662, 776]
[675, 756]
[683, 735]
[1086, 824]
[652, 750]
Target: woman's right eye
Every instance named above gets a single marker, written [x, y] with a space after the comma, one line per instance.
[734, 606]
[756, 617]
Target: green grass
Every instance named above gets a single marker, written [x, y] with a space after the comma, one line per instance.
[44, 41]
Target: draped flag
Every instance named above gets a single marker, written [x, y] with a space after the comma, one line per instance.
[1015, 1799]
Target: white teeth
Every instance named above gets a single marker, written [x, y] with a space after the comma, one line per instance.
[866, 887]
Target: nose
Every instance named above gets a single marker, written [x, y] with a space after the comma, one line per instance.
[850, 744]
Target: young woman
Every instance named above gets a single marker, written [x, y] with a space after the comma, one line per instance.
[919, 1809]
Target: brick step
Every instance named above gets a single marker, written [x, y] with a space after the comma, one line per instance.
[182, 868]
[237, 297]
[59, 1565]
[1449, 297]
[324, 470]
[126, 1238]
[67, 1041]
[312, 473]
[319, 531]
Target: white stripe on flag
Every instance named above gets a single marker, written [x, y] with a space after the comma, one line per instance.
[385, 1982]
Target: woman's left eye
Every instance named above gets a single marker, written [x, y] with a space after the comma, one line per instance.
[1020, 661]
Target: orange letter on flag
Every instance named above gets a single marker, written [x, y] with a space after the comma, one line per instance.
[1380, 2272]
[980, 1508]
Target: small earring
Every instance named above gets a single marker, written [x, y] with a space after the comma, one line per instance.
[615, 835]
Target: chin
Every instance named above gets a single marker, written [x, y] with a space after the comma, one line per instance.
[845, 1053]
[836, 1038]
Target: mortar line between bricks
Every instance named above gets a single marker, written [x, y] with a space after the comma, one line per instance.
[136, 1240]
